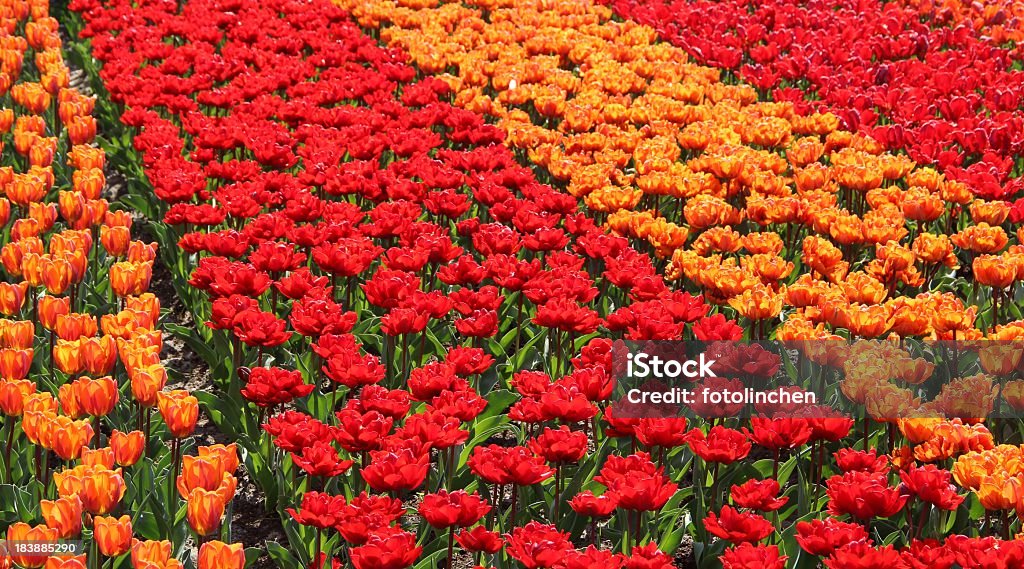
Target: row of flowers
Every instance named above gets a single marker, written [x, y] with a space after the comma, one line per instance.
[941, 93]
[1000, 21]
[419, 330]
[80, 370]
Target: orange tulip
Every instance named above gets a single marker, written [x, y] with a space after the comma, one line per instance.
[139, 252]
[130, 278]
[100, 489]
[205, 510]
[123, 324]
[13, 394]
[66, 562]
[73, 326]
[50, 307]
[15, 364]
[17, 334]
[147, 303]
[12, 297]
[113, 535]
[69, 404]
[127, 447]
[758, 302]
[1013, 393]
[200, 472]
[68, 438]
[97, 396]
[23, 532]
[84, 157]
[98, 354]
[5, 207]
[63, 515]
[218, 555]
[57, 275]
[150, 553]
[180, 410]
[71, 205]
[115, 240]
[67, 355]
[227, 454]
[995, 271]
[98, 457]
[146, 382]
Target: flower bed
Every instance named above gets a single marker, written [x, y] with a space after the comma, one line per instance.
[410, 333]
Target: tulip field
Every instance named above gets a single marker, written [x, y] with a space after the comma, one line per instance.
[332, 284]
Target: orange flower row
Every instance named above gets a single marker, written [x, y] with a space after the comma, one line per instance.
[65, 249]
[1000, 20]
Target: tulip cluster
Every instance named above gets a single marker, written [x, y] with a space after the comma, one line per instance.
[80, 367]
[947, 95]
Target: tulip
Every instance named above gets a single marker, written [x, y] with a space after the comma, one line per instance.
[22, 532]
[63, 515]
[12, 297]
[113, 535]
[69, 437]
[50, 307]
[101, 490]
[127, 447]
[180, 410]
[146, 553]
[97, 396]
[129, 278]
[205, 510]
[218, 555]
[75, 562]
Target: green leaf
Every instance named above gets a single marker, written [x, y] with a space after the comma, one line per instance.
[284, 558]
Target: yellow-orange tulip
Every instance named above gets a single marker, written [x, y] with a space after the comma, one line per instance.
[66, 562]
[113, 535]
[100, 489]
[12, 297]
[67, 438]
[22, 532]
[150, 553]
[127, 447]
[218, 555]
[15, 364]
[130, 278]
[180, 410]
[50, 307]
[63, 515]
[205, 510]
[13, 394]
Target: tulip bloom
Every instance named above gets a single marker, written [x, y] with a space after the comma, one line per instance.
[101, 490]
[113, 535]
[127, 447]
[22, 532]
[205, 510]
[63, 515]
[180, 410]
[219, 555]
[150, 552]
[96, 396]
